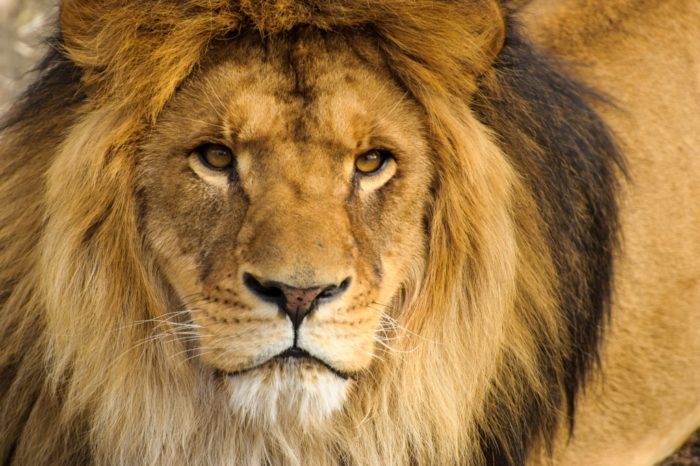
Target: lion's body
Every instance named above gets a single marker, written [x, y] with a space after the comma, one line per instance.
[648, 58]
[522, 228]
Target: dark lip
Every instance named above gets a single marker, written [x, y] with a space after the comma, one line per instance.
[292, 352]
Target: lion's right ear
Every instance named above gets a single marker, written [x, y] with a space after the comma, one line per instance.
[136, 52]
[81, 23]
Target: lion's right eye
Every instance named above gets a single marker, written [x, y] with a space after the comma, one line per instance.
[215, 156]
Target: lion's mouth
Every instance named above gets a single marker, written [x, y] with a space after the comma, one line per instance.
[290, 353]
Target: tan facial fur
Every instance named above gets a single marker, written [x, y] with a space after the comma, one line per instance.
[293, 210]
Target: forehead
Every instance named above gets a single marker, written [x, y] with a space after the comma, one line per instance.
[303, 87]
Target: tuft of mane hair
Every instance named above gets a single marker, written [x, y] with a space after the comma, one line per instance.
[73, 270]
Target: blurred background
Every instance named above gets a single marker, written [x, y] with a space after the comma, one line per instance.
[23, 26]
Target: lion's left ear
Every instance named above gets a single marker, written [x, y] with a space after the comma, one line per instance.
[443, 45]
[489, 27]
[498, 36]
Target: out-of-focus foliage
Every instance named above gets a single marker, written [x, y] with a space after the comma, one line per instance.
[24, 24]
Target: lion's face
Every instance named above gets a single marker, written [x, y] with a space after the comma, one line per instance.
[283, 192]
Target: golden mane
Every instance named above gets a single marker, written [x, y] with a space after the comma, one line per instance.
[501, 327]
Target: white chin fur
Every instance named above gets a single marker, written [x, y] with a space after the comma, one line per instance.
[286, 392]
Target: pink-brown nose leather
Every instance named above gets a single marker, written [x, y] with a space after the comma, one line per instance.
[297, 303]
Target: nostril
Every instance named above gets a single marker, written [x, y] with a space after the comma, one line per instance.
[268, 292]
[297, 303]
[334, 290]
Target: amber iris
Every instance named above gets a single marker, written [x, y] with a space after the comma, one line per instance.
[371, 162]
[215, 156]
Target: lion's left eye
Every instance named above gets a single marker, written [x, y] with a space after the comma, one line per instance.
[372, 161]
[215, 156]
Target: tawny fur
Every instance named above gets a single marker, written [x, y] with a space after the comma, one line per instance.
[490, 361]
[644, 54]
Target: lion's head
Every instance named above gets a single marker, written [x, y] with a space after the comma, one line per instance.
[283, 232]
[283, 191]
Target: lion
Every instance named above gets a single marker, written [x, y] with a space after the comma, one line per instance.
[353, 233]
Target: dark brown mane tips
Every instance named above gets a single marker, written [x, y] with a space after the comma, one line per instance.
[546, 125]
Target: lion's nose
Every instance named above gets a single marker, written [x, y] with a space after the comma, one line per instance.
[297, 303]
